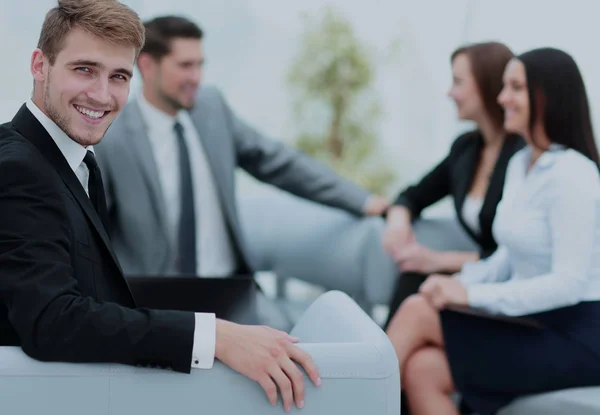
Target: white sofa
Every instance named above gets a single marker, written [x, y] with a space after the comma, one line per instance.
[357, 363]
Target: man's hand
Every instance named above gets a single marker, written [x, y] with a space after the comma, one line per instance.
[266, 356]
[415, 257]
[375, 206]
[442, 290]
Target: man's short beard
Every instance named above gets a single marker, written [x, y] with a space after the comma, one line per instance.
[54, 114]
[61, 120]
[173, 102]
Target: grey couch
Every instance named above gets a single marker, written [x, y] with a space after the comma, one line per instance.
[356, 360]
[319, 245]
[330, 248]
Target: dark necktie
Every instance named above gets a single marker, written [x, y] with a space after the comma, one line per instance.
[96, 188]
[187, 219]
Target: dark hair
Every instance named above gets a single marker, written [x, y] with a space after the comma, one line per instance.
[488, 61]
[557, 95]
[107, 19]
[160, 31]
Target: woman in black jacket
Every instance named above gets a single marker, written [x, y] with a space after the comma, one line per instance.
[473, 173]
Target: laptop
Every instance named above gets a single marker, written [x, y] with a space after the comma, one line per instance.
[233, 299]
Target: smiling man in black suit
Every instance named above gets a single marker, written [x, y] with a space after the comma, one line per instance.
[63, 296]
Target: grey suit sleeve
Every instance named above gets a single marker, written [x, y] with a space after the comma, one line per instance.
[277, 164]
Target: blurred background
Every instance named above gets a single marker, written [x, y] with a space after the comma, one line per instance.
[360, 85]
[308, 73]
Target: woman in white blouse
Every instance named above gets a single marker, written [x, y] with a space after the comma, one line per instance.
[546, 269]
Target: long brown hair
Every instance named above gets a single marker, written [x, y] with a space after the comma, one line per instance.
[488, 61]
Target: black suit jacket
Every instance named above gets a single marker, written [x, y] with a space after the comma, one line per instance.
[454, 177]
[63, 296]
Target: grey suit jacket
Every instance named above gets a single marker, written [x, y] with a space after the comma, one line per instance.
[134, 196]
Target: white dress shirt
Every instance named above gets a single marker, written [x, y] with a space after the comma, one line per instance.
[548, 231]
[203, 350]
[214, 249]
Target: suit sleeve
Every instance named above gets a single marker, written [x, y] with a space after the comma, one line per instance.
[291, 170]
[53, 320]
[433, 187]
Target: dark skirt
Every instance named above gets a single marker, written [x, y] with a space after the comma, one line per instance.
[407, 284]
[494, 362]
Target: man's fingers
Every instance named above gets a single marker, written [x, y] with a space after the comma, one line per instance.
[284, 335]
[270, 389]
[293, 339]
[297, 378]
[306, 362]
[285, 386]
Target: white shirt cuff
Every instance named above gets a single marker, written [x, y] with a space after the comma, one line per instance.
[205, 336]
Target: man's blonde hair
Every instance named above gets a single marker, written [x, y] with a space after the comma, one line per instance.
[107, 19]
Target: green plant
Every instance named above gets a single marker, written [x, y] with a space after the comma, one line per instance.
[335, 109]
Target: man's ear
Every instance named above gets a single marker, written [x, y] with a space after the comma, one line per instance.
[146, 64]
[39, 65]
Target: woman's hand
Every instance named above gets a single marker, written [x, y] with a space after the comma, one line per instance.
[415, 257]
[396, 238]
[443, 290]
[398, 231]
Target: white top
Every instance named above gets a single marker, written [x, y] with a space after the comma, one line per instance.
[547, 227]
[203, 351]
[214, 249]
[470, 213]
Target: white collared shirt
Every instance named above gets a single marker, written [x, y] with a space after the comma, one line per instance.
[548, 231]
[73, 152]
[214, 248]
[203, 350]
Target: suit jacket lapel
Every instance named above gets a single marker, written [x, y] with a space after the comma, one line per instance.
[31, 129]
[137, 136]
[201, 117]
[467, 163]
[222, 169]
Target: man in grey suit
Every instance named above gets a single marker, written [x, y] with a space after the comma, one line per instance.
[168, 163]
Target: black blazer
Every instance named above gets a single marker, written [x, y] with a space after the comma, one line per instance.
[454, 176]
[63, 296]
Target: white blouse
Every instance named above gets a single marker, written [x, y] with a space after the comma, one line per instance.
[548, 230]
[470, 213]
